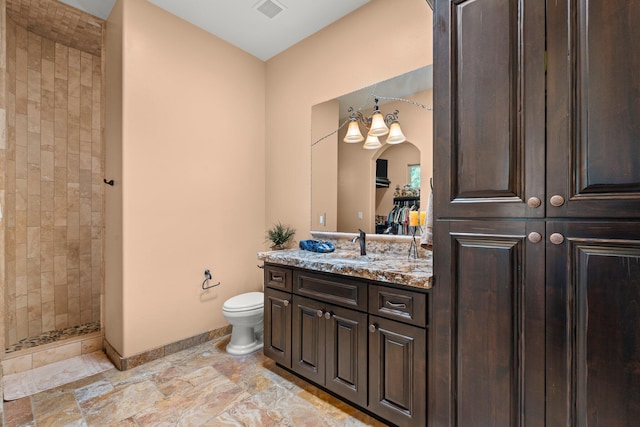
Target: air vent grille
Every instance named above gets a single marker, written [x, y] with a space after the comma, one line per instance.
[269, 8]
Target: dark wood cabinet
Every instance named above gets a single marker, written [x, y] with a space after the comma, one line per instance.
[308, 339]
[498, 142]
[346, 341]
[330, 333]
[397, 371]
[366, 342]
[277, 331]
[593, 317]
[330, 347]
[280, 278]
[398, 354]
[489, 95]
[593, 137]
[488, 324]
[537, 198]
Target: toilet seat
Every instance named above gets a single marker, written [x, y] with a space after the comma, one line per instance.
[244, 302]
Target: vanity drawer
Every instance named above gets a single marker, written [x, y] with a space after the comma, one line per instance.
[278, 277]
[399, 304]
[337, 290]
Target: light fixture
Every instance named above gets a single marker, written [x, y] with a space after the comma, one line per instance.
[395, 134]
[353, 132]
[372, 143]
[377, 125]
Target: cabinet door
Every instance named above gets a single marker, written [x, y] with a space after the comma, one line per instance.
[346, 345]
[308, 340]
[486, 332]
[593, 324]
[277, 330]
[489, 94]
[397, 372]
[593, 131]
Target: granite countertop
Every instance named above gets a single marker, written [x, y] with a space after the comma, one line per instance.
[391, 268]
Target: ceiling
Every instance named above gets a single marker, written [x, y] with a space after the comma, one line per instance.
[247, 23]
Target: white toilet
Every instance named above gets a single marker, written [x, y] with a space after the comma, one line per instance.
[245, 313]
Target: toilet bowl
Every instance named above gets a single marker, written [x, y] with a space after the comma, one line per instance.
[245, 313]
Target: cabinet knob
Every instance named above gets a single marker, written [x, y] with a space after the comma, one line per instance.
[556, 238]
[556, 200]
[319, 313]
[285, 303]
[372, 328]
[327, 315]
[534, 202]
[534, 237]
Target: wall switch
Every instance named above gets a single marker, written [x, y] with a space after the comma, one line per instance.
[360, 215]
[321, 220]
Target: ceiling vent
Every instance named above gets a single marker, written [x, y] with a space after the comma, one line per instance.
[269, 8]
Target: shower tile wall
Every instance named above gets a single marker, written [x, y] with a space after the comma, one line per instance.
[54, 187]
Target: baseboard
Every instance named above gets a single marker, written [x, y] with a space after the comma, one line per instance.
[125, 363]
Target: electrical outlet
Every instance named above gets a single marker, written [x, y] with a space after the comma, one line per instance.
[360, 215]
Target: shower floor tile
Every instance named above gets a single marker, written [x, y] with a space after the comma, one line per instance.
[54, 336]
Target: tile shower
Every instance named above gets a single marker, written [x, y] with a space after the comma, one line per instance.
[53, 213]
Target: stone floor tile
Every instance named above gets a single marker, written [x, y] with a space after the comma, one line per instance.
[60, 411]
[111, 408]
[18, 413]
[199, 386]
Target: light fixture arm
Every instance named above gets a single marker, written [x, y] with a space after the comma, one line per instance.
[366, 121]
[391, 117]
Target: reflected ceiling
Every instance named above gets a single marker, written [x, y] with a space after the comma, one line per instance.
[398, 87]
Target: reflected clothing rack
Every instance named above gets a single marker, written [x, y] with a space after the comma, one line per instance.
[407, 201]
[398, 217]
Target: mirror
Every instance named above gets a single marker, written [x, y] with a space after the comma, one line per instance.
[344, 195]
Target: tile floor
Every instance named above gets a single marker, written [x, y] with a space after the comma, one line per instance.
[199, 386]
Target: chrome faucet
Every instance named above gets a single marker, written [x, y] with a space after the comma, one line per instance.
[363, 241]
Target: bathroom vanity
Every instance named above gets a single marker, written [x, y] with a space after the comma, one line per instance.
[354, 325]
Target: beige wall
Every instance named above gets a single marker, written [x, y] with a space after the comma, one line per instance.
[187, 196]
[113, 260]
[332, 62]
[192, 114]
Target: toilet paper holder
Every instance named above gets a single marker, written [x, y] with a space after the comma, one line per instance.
[207, 277]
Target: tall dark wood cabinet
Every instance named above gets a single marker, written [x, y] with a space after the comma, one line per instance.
[536, 303]
[593, 324]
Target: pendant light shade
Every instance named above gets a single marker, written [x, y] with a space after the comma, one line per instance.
[353, 132]
[378, 126]
[372, 143]
[395, 134]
